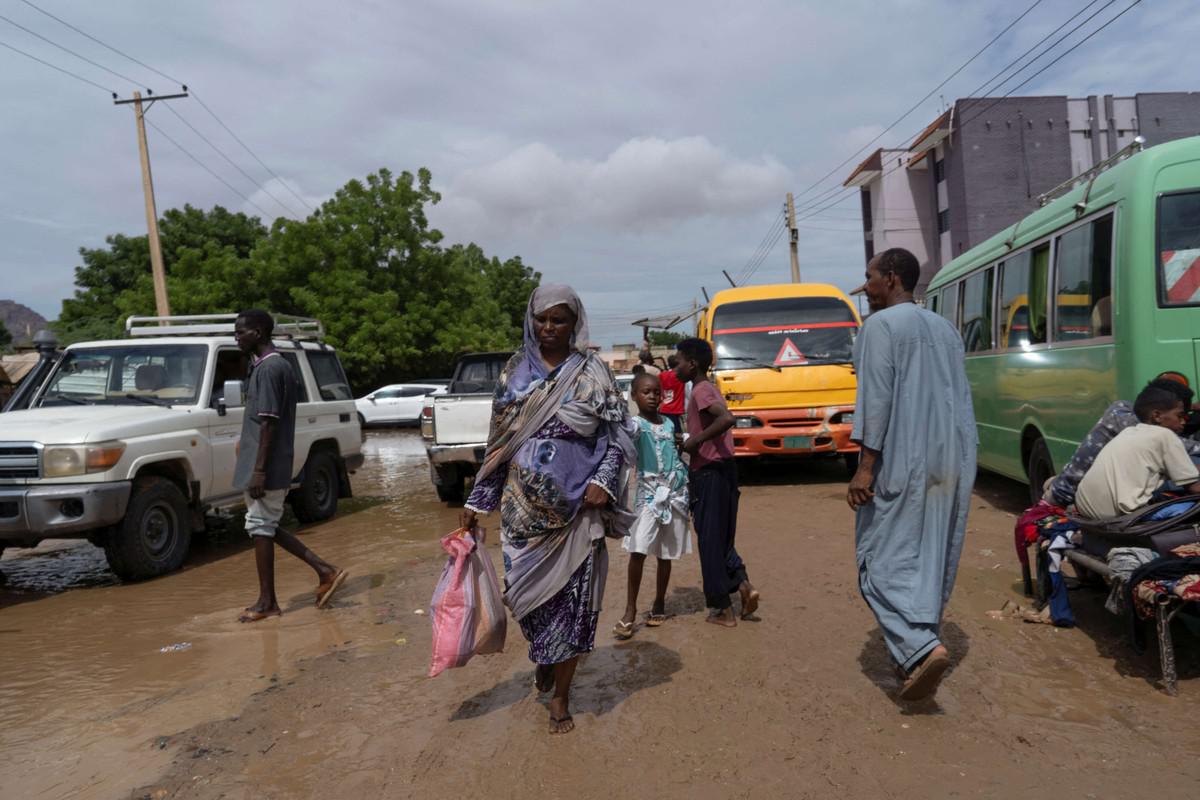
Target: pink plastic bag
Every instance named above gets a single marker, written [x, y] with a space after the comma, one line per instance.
[467, 609]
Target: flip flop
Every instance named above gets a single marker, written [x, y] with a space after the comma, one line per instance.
[559, 721]
[623, 630]
[654, 620]
[924, 680]
[325, 590]
[751, 604]
[257, 616]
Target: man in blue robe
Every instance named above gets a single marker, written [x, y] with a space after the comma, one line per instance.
[912, 489]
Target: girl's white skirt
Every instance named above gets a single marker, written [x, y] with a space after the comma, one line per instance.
[653, 537]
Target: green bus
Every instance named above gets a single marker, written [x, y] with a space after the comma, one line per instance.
[1078, 304]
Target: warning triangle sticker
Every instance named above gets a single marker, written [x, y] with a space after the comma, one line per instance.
[789, 354]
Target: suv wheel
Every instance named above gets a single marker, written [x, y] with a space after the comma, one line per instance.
[317, 497]
[155, 535]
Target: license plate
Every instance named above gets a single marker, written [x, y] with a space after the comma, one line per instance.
[797, 443]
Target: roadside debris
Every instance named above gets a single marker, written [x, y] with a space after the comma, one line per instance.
[176, 648]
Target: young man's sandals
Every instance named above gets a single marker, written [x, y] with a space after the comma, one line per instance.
[654, 620]
[623, 630]
[749, 603]
[325, 590]
[561, 724]
[923, 681]
[250, 615]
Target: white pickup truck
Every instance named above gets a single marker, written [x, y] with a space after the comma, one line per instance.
[455, 425]
[129, 443]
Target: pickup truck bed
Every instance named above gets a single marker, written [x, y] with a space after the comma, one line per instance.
[461, 421]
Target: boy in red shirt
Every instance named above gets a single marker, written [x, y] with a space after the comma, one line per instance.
[673, 394]
[713, 487]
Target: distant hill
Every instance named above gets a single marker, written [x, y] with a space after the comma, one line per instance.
[22, 321]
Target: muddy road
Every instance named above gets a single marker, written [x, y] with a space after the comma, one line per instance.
[336, 703]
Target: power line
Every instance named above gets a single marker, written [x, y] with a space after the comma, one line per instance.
[53, 43]
[1007, 94]
[59, 69]
[770, 248]
[232, 163]
[87, 35]
[206, 168]
[193, 93]
[776, 223]
[918, 104]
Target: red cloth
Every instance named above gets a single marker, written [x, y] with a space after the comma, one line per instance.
[1026, 531]
[672, 393]
[706, 404]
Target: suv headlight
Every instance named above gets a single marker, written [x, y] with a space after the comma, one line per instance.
[842, 418]
[63, 461]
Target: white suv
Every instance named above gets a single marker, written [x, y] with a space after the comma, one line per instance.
[130, 442]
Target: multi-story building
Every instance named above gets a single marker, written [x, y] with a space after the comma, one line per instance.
[980, 166]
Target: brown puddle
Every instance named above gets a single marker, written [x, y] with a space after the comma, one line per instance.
[86, 691]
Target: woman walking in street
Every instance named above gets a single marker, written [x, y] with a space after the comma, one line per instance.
[559, 465]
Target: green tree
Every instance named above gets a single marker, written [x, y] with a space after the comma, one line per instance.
[367, 264]
[115, 281]
[5, 338]
[665, 338]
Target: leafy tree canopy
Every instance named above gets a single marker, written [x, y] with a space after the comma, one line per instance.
[394, 302]
[665, 338]
[5, 339]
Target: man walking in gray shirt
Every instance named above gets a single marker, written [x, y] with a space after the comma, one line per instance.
[264, 463]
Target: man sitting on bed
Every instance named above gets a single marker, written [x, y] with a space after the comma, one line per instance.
[1116, 418]
[1135, 464]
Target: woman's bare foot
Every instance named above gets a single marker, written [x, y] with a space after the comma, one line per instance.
[749, 599]
[543, 677]
[560, 717]
[724, 618]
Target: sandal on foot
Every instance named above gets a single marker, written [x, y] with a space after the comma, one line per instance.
[924, 679]
[654, 620]
[623, 630]
[750, 605]
[325, 590]
[555, 722]
[257, 616]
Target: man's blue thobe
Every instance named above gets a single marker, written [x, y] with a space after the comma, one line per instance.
[914, 405]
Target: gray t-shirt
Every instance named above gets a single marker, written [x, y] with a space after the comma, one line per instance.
[271, 391]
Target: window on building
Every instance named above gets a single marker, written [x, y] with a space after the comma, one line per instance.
[865, 195]
[977, 311]
[948, 304]
[939, 170]
[943, 221]
[331, 380]
[1083, 282]
[1023, 298]
[870, 248]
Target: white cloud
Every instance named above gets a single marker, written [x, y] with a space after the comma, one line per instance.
[647, 183]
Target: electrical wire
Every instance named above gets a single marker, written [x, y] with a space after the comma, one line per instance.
[59, 69]
[232, 163]
[206, 168]
[766, 253]
[918, 104]
[65, 49]
[778, 223]
[192, 92]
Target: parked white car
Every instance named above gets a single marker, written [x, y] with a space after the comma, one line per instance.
[395, 404]
[129, 443]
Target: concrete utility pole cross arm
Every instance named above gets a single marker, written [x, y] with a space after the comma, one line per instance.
[161, 301]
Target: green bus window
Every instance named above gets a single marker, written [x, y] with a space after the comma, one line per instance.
[1179, 248]
[1083, 281]
[931, 302]
[977, 311]
[948, 304]
[1023, 298]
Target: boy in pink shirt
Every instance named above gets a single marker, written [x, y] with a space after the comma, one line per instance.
[713, 487]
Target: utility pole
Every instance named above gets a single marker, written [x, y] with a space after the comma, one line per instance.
[794, 236]
[161, 302]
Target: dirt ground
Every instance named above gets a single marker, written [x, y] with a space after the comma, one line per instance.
[800, 704]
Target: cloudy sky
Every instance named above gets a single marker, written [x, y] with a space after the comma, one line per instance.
[632, 149]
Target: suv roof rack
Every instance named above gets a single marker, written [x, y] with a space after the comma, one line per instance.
[1089, 175]
[286, 326]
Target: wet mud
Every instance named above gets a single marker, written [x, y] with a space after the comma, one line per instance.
[800, 703]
